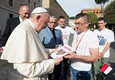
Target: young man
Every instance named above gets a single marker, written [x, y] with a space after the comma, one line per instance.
[66, 32]
[105, 37]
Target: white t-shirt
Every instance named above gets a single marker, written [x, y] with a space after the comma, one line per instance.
[66, 31]
[104, 36]
[89, 40]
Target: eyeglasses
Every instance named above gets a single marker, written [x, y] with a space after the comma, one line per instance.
[52, 22]
[79, 23]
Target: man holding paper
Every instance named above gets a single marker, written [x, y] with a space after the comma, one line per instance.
[86, 45]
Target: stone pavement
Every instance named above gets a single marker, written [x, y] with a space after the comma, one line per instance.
[3, 71]
[4, 66]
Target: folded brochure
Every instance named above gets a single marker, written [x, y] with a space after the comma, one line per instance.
[62, 51]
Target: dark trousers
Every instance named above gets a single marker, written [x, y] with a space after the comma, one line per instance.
[66, 69]
[56, 73]
[111, 75]
[60, 72]
[83, 75]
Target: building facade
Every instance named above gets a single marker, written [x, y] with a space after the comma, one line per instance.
[55, 9]
[97, 11]
[9, 9]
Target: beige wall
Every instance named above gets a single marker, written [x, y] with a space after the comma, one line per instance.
[97, 11]
[55, 9]
[46, 3]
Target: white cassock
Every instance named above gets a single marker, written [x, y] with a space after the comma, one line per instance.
[26, 52]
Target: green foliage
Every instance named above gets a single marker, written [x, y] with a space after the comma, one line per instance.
[109, 13]
[101, 1]
[92, 17]
[72, 17]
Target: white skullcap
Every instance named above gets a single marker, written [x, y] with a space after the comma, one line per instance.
[39, 10]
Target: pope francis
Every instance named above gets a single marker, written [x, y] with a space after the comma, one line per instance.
[26, 52]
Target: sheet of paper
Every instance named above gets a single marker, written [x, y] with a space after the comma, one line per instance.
[62, 51]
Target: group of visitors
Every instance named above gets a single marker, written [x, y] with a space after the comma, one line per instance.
[31, 38]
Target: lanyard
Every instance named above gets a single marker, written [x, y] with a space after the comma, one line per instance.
[79, 40]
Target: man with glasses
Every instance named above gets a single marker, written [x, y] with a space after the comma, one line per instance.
[52, 38]
[105, 37]
[86, 46]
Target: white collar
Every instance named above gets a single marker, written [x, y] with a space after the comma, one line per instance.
[21, 20]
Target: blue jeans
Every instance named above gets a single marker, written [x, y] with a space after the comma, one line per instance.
[75, 74]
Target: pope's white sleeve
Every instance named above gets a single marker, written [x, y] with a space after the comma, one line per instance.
[35, 69]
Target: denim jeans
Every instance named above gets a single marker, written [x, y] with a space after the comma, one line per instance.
[75, 74]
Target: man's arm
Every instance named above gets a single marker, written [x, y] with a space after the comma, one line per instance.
[35, 69]
[91, 58]
[101, 54]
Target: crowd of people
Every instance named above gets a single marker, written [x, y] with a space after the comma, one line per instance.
[31, 38]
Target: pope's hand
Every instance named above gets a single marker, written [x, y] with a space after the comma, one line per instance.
[1, 49]
[53, 50]
[57, 61]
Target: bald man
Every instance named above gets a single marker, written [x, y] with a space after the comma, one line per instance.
[13, 22]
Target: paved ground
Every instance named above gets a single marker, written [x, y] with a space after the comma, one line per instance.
[3, 69]
[4, 66]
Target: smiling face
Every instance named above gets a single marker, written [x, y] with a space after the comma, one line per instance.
[24, 12]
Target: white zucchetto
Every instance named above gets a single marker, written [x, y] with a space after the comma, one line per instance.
[39, 10]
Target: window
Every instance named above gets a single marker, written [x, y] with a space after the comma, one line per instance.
[34, 4]
[10, 3]
[20, 4]
[10, 15]
[29, 1]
